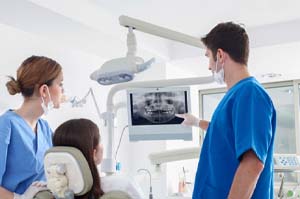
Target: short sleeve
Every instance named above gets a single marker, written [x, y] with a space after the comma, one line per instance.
[252, 122]
[5, 134]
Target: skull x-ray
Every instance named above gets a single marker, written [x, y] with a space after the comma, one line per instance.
[156, 108]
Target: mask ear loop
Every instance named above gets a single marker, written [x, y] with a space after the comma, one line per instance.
[49, 94]
[217, 64]
[44, 107]
[43, 100]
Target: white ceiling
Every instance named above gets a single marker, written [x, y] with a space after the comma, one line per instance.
[92, 25]
[267, 21]
[197, 17]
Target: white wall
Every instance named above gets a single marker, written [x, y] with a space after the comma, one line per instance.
[278, 59]
[269, 59]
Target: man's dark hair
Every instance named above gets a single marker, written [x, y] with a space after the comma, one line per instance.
[231, 38]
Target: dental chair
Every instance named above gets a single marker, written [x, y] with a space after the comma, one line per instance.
[68, 175]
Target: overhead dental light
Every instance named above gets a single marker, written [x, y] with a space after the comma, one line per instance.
[122, 69]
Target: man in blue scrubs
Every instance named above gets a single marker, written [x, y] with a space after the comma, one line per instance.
[236, 156]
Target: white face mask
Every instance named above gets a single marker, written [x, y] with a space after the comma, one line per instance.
[49, 106]
[219, 75]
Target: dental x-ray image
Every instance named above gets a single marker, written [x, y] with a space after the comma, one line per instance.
[156, 108]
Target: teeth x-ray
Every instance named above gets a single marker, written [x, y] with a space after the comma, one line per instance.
[156, 108]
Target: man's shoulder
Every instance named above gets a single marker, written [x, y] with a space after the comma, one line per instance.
[252, 86]
[254, 91]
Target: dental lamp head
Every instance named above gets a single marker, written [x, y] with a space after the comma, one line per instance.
[119, 70]
[123, 69]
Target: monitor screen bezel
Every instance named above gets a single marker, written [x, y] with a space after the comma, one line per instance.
[153, 132]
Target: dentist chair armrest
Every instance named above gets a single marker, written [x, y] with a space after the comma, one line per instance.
[44, 195]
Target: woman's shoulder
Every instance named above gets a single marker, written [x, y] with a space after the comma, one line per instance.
[7, 117]
[6, 122]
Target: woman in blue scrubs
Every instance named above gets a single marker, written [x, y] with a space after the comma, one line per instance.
[24, 136]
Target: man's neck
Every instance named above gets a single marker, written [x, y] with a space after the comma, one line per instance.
[234, 73]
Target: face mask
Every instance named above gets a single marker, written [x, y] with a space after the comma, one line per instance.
[219, 75]
[49, 106]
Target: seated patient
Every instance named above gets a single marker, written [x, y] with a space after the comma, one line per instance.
[83, 134]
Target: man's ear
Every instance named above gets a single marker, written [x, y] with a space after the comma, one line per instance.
[221, 55]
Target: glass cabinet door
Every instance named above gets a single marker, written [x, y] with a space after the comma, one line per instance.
[285, 139]
[283, 100]
[209, 103]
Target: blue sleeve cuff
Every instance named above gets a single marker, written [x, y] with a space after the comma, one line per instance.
[244, 149]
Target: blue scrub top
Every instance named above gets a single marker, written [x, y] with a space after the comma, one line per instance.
[244, 119]
[22, 151]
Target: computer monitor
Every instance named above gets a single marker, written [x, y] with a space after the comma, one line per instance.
[151, 113]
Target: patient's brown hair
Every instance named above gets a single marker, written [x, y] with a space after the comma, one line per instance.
[82, 134]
